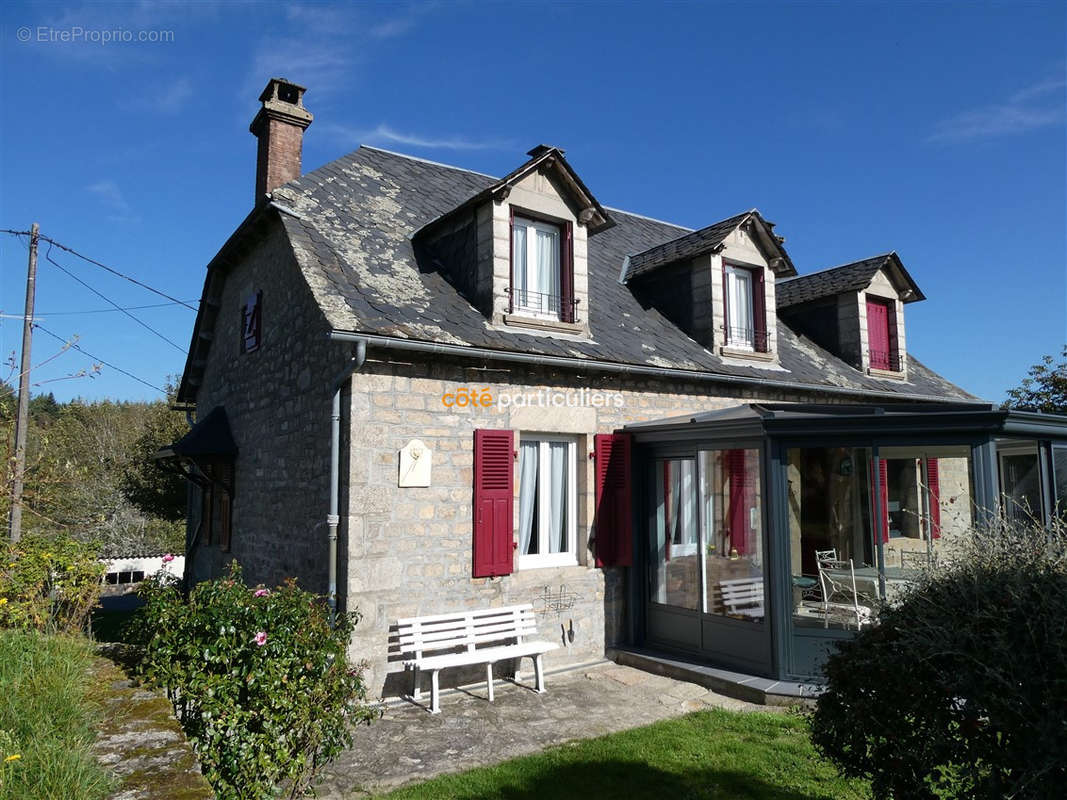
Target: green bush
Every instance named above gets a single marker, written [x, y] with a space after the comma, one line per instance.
[49, 584]
[258, 678]
[961, 690]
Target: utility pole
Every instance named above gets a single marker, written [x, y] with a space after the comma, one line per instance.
[23, 413]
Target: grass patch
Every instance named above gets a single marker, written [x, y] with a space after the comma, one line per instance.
[709, 754]
[47, 716]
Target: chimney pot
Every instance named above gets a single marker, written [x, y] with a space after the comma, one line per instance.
[279, 126]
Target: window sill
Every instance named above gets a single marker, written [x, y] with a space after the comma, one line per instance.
[895, 375]
[542, 562]
[737, 352]
[541, 323]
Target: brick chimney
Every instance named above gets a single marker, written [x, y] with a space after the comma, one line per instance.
[279, 126]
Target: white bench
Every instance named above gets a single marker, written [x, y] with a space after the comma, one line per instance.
[742, 597]
[470, 637]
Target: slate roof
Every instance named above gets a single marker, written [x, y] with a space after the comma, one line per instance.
[691, 245]
[837, 280]
[350, 230]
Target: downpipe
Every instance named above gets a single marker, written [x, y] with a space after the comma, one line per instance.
[355, 363]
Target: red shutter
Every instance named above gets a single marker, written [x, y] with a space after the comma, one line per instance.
[880, 495]
[566, 281]
[933, 483]
[878, 334]
[613, 520]
[494, 492]
[741, 501]
[760, 337]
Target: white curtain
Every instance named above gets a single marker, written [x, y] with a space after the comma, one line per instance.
[548, 268]
[688, 502]
[528, 456]
[557, 532]
[675, 499]
[518, 244]
[741, 305]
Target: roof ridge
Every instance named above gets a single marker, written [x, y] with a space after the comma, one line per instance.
[650, 219]
[424, 161]
[838, 266]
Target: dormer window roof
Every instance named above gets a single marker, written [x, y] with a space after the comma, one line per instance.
[710, 239]
[851, 277]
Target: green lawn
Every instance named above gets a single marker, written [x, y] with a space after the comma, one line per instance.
[47, 712]
[710, 754]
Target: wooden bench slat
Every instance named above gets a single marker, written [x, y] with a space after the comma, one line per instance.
[440, 640]
[464, 614]
[463, 624]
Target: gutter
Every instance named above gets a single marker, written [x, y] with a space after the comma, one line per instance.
[615, 368]
[355, 363]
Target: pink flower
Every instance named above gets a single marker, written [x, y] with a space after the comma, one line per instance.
[168, 558]
[261, 638]
[261, 592]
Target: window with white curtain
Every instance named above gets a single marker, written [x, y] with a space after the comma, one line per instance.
[740, 315]
[536, 269]
[547, 501]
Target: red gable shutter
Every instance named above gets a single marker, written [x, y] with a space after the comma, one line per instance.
[614, 529]
[933, 483]
[878, 334]
[760, 337]
[493, 500]
[566, 266]
[880, 494]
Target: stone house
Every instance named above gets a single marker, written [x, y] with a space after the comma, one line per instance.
[421, 389]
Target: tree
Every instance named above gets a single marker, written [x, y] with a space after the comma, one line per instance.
[1044, 389]
[155, 491]
[960, 690]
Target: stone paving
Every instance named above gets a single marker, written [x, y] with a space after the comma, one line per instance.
[408, 744]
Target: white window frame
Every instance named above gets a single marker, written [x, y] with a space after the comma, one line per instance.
[732, 277]
[568, 558]
[532, 226]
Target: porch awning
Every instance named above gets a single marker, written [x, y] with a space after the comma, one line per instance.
[209, 439]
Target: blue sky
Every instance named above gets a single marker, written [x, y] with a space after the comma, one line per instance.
[936, 130]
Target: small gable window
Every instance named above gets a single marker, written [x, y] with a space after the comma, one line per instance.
[746, 326]
[881, 335]
[541, 269]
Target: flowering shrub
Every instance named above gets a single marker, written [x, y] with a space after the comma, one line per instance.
[258, 678]
[961, 690]
[49, 583]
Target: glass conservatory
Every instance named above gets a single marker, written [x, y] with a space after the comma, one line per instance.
[767, 532]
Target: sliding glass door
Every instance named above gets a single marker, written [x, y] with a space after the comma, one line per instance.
[706, 557]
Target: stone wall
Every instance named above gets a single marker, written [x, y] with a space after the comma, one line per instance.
[278, 402]
[408, 552]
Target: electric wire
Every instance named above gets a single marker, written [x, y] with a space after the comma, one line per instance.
[75, 346]
[94, 262]
[143, 324]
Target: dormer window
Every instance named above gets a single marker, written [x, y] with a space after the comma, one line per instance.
[882, 347]
[745, 315]
[541, 269]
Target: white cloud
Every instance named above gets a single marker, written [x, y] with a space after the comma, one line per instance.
[402, 23]
[111, 196]
[1030, 108]
[383, 134]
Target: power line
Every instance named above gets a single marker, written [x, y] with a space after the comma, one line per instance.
[74, 346]
[106, 310]
[94, 262]
[145, 325]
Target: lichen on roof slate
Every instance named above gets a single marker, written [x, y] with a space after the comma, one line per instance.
[352, 240]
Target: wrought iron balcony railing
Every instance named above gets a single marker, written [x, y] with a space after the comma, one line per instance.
[541, 304]
[889, 361]
[748, 339]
